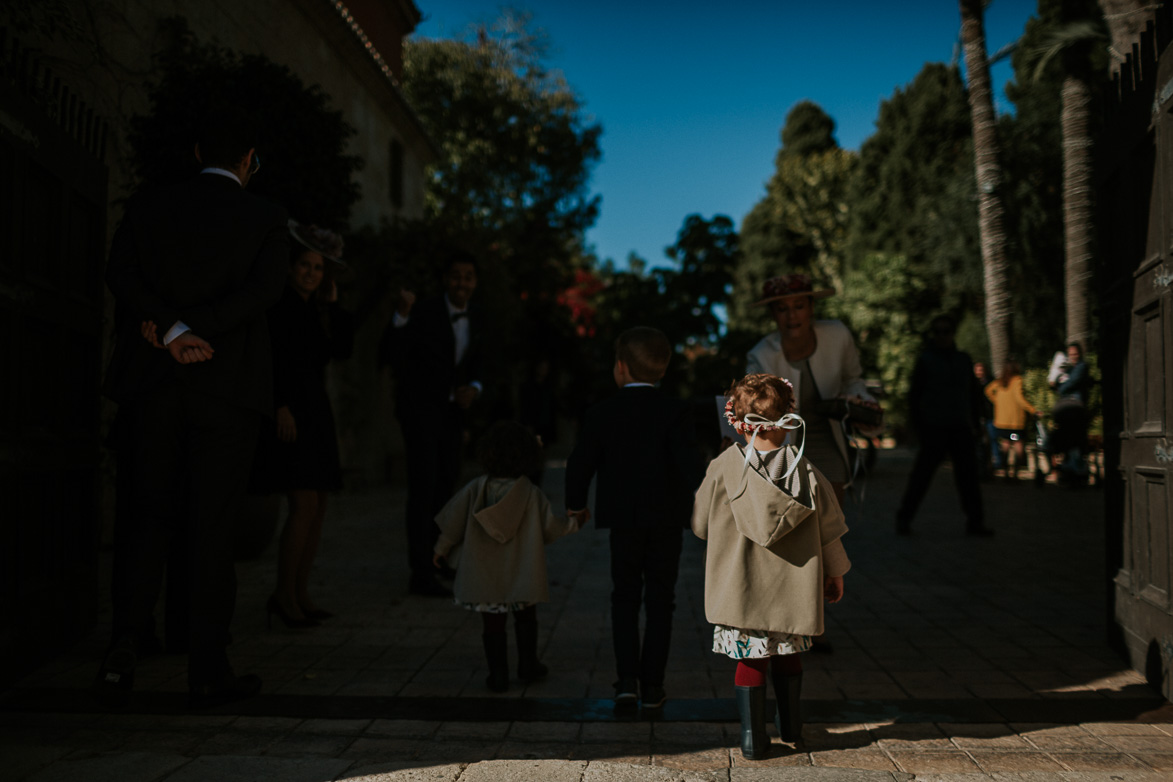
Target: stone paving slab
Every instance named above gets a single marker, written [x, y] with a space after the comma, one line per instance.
[955, 659]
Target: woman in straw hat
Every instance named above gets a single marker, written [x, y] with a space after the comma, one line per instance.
[820, 359]
[299, 456]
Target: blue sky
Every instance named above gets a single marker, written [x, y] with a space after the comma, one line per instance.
[692, 95]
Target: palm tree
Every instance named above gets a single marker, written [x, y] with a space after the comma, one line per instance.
[988, 170]
[1072, 41]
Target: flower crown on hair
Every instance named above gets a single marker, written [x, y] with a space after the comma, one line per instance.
[743, 426]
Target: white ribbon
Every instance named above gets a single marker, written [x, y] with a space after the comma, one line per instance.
[790, 421]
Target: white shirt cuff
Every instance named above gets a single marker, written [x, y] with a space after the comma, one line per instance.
[179, 328]
[399, 321]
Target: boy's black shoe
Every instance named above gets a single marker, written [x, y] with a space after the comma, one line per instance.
[653, 697]
[626, 691]
[228, 689]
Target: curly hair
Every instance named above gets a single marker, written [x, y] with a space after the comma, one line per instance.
[509, 450]
[763, 394]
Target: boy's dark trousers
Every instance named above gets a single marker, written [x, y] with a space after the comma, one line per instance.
[644, 565]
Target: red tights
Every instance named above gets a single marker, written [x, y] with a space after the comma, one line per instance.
[752, 673]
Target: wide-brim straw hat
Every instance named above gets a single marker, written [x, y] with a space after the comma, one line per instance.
[322, 241]
[790, 285]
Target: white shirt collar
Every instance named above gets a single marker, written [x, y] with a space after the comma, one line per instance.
[634, 385]
[452, 309]
[222, 172]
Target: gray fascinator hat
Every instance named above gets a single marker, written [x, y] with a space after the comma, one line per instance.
[326, 243]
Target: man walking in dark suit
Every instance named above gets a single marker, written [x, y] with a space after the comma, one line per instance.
[639, 444]
[434, 350]
[203, 260]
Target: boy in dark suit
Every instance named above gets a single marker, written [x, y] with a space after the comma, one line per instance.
[638, 444]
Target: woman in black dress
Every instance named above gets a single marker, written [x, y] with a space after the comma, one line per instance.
[300, 455]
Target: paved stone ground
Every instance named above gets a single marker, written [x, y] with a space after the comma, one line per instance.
[955, 658]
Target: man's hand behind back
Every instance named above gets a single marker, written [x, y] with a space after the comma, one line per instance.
[187, 348]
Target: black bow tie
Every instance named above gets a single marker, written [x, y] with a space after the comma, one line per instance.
[458, 315]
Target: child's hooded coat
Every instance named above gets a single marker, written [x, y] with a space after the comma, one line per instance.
[764, 565]
[498, 550]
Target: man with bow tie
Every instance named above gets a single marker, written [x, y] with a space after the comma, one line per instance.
[434, 350]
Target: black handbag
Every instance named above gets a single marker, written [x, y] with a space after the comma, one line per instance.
[855, 413]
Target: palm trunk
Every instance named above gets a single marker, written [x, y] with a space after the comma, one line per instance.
[1077, 205]
[988, 170]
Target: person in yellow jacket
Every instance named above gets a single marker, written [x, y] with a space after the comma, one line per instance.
[1010, 411]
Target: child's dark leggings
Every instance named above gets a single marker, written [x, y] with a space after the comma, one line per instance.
[752, 673]
[495, 623]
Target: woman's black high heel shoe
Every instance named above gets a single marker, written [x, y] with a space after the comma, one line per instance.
[273, 607]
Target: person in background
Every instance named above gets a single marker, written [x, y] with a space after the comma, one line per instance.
[943, 405]
[1010, 412]
[434, 350]
[196, 265]
[1072, 386]
[820, 360]
[989, 456]
[299, 452]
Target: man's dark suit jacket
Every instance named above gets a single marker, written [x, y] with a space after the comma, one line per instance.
[639, 443]
[209, 254]
[422, 355]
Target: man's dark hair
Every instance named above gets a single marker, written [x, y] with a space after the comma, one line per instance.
[945, 320]
[459, 256]
[645, 351]
[226, 136]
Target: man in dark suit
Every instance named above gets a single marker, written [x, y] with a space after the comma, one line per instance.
[639, 445]
[203, 260]
[434, 350]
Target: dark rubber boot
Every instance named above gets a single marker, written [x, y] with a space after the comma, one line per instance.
[498, 659]
[751, 706]
[788, 719]
[525, 626]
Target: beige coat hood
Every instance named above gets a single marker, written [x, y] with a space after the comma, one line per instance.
[498, 549]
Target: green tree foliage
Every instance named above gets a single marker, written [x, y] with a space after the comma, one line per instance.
[302, 142]
[907, 170]
[512, 180]
[517, 147]
[684, 301]
[801, 222]
[887, 332]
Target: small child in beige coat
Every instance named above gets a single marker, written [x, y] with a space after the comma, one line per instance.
[772, 526]
[494, 532]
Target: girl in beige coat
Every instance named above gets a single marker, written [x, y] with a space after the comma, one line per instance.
[494, 532]
[773, 526]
